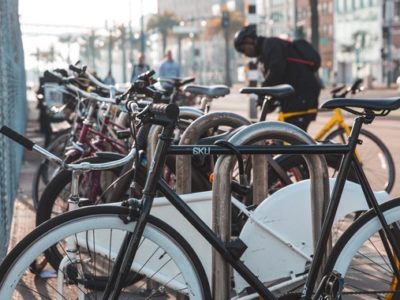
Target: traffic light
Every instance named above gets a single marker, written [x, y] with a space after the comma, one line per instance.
[225, 19]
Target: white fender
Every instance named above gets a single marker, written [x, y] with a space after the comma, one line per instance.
[286, 215]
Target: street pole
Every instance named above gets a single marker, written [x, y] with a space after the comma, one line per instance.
[228, 80]
[130, 35]
[225, 23]
[389, 11]
[123, 42]
[110, 47]
[142, 37]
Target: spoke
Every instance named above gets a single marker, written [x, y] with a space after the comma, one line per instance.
[369, 274]
[383, 258]
[42, 296]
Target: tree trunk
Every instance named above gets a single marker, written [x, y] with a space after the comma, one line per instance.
[314, 24]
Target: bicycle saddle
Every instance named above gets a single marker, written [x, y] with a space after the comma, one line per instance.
[376, 104]
[281, 91]
[213, 91]
[176, 81]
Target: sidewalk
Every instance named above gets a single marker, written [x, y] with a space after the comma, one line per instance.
[24, 213]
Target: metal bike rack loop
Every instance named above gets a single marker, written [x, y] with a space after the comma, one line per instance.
[222, 189]
[192, 134]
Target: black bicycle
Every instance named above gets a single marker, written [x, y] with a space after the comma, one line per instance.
[109, 242]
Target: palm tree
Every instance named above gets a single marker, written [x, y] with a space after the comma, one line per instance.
[163, 23]
[89, 48]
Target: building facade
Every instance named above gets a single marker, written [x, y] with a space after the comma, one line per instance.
[358, 40]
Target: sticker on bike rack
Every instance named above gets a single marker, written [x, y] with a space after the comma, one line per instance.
[201, 150]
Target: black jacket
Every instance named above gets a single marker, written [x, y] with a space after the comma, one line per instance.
[273, 53]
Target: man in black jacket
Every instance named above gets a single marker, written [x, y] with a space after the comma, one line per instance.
[273, 54]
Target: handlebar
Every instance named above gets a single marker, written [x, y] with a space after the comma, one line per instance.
[15, 136]
[84, 166]
[353, 89]
[161, 114]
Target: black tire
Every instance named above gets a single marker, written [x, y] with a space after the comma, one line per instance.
[56, 230]
[376, 159]
[360, 257]
[54, 198]
[46, 170]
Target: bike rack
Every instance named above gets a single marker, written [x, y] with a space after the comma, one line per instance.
[221, 189]
[192, 134]
[185, 112]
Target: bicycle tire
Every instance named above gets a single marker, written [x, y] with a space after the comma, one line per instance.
[42, 175]
[55, 196]
[360, 241]
[169, 259]
[380, 173]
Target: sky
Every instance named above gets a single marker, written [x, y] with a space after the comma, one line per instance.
[74, 13]
[90, 13]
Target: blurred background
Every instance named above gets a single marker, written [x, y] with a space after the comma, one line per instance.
[356, 38]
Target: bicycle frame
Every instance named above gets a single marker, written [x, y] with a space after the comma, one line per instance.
[154, 182]
[87, 128]
[336, 119]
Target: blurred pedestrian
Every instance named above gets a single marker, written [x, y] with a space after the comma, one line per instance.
[169, 67]
[109, 79]
[284, 63]
[94, 73]
[139, 68]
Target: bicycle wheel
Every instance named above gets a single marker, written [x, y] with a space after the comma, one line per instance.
[375, 158]
[54, 200]
[164, 265]
[47, 169]
[359, 256]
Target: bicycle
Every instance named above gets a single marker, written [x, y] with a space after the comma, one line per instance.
[78, 138]
[375, 157]
[54, 197]
[133, 216]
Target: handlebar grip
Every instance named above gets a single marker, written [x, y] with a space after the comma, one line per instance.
[15, 136]
[147, 75]
[171, 111]
[75, 69]
[78, 70]
[50, 76]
